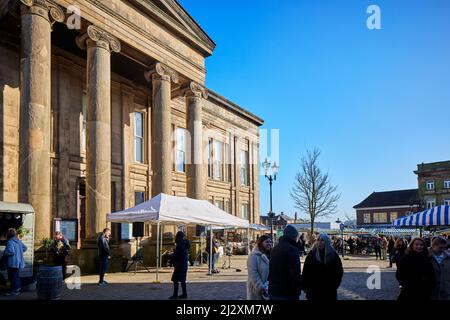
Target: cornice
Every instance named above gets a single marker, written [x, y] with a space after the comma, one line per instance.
[140, 31]
[195, 36]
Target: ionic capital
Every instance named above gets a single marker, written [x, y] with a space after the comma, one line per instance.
[45, 8]
[195, 90]
[94, 36]
[163, 72]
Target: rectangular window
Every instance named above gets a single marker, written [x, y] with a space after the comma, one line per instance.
[210, 158]
[139, 197]
[431, 203]
[447, 202]
[446, 184]
[393, 216]
[380, 217]
[180, 150]
[430, 185]
[219, 204]
[227, 206]
[138, 137]
[227, 162]
[244, 211]
[218, 160]
[83, 120]
[366, 217]
[244, 168]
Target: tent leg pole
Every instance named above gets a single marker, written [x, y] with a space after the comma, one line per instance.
[160, 246]
[157, 251]
[210, 249]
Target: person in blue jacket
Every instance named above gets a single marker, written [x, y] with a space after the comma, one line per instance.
[15, 260]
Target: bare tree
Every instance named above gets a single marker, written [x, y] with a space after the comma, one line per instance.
[312, 192]
[349, 221]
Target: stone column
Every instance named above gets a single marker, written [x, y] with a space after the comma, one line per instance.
[37, 18]
[196, 175]
[99, 45]
[161, 77]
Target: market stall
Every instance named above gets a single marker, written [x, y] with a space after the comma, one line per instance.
[437, 216]
[167, 209]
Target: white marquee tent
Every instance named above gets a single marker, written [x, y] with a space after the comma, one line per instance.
[165, 208]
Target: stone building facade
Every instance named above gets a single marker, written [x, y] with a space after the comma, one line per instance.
[97, 118]
[434, 183]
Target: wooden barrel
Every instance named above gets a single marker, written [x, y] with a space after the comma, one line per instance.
[49, 282]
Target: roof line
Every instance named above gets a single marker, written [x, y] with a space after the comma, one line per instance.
[234, 107]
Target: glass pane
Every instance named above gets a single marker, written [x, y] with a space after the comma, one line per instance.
[83, 116]
[139, 197]
[180, 160]
[138, 149]
[138, 127]
[126, 231]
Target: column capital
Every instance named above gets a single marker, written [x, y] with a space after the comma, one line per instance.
[98, 37]
[163, 72]
[194, 89]
[45, 8]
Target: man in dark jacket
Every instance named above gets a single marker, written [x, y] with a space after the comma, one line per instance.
[390, 250]
[284, 267]
[104, 254]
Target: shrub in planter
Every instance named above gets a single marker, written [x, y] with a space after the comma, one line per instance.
[49, 277]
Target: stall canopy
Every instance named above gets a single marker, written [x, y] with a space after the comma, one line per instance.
[437, 216]
[172, 209]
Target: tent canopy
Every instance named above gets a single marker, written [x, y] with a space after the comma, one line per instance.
[182, 210]
[437, 216]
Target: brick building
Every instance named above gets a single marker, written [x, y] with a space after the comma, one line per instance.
[382, 208]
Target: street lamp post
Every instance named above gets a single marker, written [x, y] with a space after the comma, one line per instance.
[271, 177]
[341, 226]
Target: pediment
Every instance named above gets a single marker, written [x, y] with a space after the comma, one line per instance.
[173, 16]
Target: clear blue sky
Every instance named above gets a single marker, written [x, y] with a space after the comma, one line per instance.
[375, 102]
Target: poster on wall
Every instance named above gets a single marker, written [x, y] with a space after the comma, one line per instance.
[68, 227]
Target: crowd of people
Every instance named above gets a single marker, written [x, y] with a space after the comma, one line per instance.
[275, 272]
[423, 267]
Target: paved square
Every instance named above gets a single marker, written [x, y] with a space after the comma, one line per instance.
[229, 284]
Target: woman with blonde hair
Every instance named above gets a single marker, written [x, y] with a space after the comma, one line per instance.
[415, 272]
[322, 271]
[258, 269]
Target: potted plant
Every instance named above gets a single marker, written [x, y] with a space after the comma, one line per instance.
[22, 232]
[47, 245]
[49, 277]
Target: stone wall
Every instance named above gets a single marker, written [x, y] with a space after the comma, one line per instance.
[9, 122]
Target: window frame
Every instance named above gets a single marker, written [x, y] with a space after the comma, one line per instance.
[244, 168]
[247, 211]
[177, 149]
[428, 183]
[428, 202]
[139, 138]
[447, 184]
[83, 137]
[224, 170]
[367, 218]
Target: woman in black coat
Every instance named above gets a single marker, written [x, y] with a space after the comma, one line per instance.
[415, 273]
[180, 259]
[322, 271]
